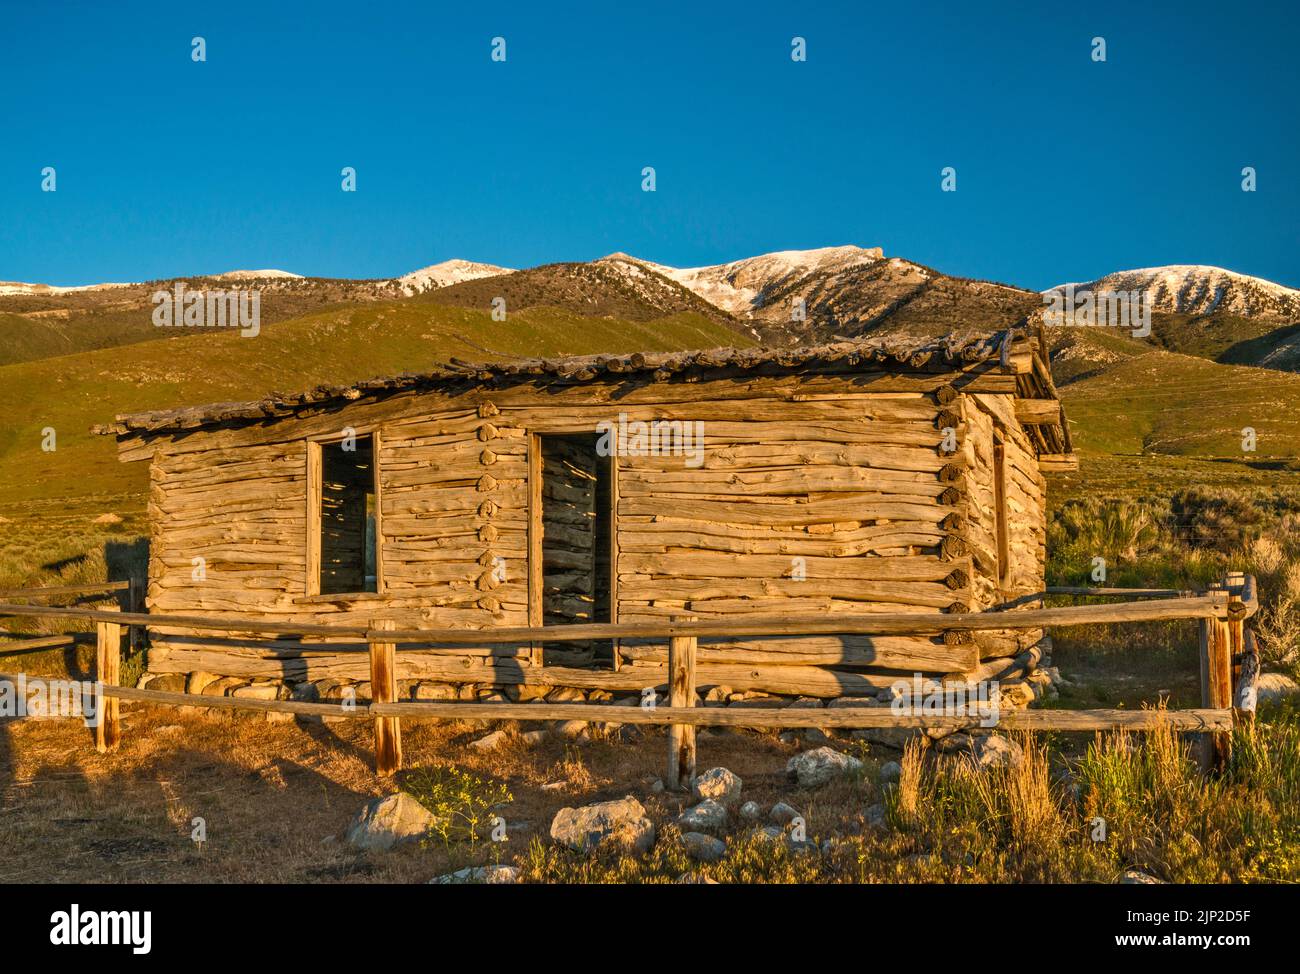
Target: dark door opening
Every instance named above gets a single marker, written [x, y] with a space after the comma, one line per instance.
[576, 525]
[347, 517]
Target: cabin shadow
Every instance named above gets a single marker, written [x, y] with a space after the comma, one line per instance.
[132, 820]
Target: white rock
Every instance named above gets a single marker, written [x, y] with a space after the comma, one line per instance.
[622, 823]
[816, 767]
[719, 784]
[751, 811]
[1275, 686]
[995, 751]
[385, 822]
[1130, 877]
[492, 875]
[707, 816]
[489, 741]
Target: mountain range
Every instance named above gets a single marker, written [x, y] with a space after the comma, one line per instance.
[777, 298]
[1223, 353]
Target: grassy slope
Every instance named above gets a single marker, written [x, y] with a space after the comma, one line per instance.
[72, 392]
[47, 325]
[1130, 399]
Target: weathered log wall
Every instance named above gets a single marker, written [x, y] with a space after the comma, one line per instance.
[810, 496]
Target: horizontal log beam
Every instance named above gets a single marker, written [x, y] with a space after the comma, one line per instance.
[1038, 412]
[1058, 462]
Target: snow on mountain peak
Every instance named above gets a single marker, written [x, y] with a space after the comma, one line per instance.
[18, 287]
[254, 275]
[1198, 289]
[737, 287]
[448, 272]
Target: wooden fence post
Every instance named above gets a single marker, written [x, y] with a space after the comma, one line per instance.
[1216, 682]
[1236, 625]
[681, 693]
[1247, 693]
[108, 672]
[383, 689]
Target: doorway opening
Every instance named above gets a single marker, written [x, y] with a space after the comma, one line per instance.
[576, 524]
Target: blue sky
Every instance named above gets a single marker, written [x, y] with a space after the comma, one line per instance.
[1066, 168]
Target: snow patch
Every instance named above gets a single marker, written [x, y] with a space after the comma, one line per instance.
[1198, 289]
[448, 272]
[737, 287]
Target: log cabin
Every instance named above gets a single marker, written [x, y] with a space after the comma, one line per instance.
[897, 475]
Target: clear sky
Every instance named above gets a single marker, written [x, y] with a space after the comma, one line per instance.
[1066, 168]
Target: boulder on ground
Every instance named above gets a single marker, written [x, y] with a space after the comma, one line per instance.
[619, 824]
[783, 814]
[891, 771]
[995, 751]
[1130, 877]
[388, 821]
[198, 680]
[707, 816]
[719, 784]
[492, 875]
[169, 682]
[694, 877]
[571, 730]
[489, 741]
[703, 847]
[751, 811]
[875, 817]
[1275, 686]
[817, 767]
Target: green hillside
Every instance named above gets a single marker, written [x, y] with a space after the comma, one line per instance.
[37, 326]
[72, 392]
[1125, 398]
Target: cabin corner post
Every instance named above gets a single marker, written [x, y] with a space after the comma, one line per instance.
[383, 689]
[1216, 677]
[108, 672]
[536, 612]
[681, 693]
[135, 603]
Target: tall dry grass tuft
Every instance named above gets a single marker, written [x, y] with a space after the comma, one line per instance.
[905, 799]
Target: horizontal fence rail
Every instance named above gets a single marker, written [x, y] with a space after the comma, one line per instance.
[49, 591]
[1190, 607]
[1227, 653]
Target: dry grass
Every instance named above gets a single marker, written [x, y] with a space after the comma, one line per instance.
[276, 797]
[270, 793]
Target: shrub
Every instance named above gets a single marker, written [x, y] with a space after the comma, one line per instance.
[459, 801]
[1220, 519]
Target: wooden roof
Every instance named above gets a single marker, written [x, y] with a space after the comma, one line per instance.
[958, 350]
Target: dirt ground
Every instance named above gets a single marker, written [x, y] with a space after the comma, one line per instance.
[276, 798]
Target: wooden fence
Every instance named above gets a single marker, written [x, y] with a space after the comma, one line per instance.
[1228, 659]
